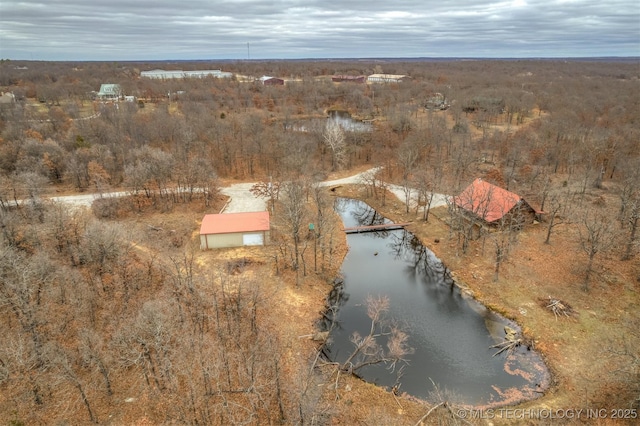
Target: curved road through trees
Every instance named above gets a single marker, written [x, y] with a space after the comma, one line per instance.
[242, 200]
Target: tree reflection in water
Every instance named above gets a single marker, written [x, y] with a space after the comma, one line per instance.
[420, 260]
[361, 214]
[336, 299]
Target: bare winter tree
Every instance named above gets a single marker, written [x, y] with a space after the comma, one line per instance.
[30, 186]
[145, 344]
[629, 193]
[505, 236]
[151, 170]
[369, 349]
[370, 183]
[427, 181]
[243, 382]
[103, 244]
[311, 405]
[95, 354]
[66, 365]
[334, 137]
[293, 216]
[407, 157]
[597, 235]
[323, 225]
[268, 190]
[559, 212]
[24, 280]
[196, 177]
[99, 176]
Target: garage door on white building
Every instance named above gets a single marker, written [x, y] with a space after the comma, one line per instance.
[252, 239]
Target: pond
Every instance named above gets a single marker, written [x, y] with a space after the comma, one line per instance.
[451, 334]
[343, 118]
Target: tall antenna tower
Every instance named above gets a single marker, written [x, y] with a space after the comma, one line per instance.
[248, 52]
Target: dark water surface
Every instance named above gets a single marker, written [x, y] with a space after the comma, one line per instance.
[451, 333]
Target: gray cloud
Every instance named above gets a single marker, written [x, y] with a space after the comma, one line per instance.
[221, 29]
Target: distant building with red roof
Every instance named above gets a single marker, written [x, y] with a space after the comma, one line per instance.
[234, 230]
[492, 204]
[349, 78]
[271, 81]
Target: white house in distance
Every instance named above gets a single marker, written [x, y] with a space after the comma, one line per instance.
[234, 230]
[109, 92]
[166, 75]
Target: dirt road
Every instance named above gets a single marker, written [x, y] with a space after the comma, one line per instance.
[242, 200]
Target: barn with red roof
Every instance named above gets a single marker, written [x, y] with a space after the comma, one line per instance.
[234, 230]
[493, 205]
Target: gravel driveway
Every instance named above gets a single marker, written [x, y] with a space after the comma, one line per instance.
[242, 200]
[437, 201]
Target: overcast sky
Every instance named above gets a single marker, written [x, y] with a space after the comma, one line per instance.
[287, 29]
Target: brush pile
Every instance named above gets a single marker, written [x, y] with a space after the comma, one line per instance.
[558, 307]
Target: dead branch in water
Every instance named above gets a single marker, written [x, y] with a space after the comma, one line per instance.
[511, 341]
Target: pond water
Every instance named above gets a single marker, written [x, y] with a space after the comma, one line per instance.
[347, 122]
[343, 118]
[451, 333]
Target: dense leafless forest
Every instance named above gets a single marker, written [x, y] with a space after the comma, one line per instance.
[97, 330]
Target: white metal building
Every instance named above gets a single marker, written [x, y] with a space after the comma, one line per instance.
[165, 75]
[386, 78]
[234, 230]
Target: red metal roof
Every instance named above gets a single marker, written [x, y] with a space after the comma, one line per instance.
[234, 222]
[487, 201]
